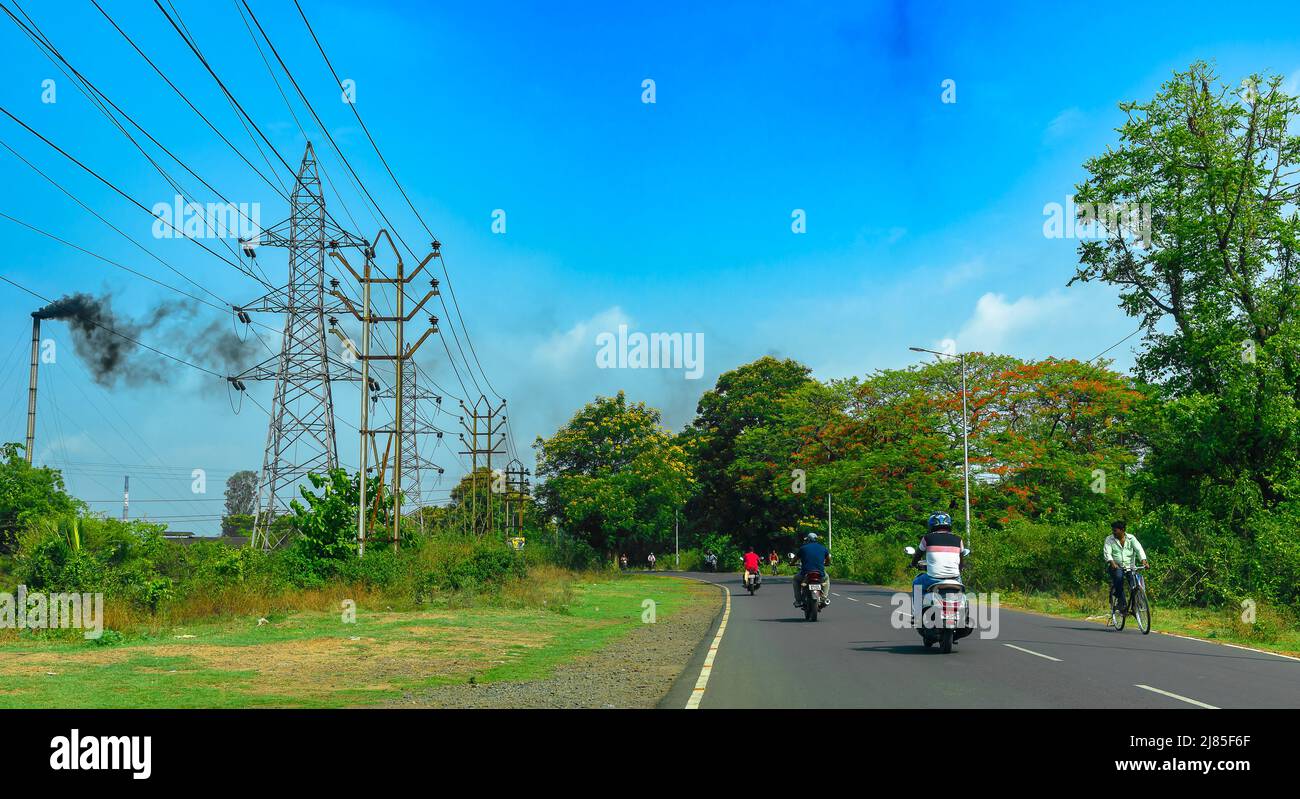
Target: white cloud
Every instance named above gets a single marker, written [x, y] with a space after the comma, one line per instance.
[1063, 323]
[577, 346]
[1063, 124]
[998, 325]
[963, 272]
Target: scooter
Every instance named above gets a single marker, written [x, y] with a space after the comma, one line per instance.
[753, 581]
[945, 612]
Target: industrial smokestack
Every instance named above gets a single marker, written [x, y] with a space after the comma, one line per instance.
[31, 386]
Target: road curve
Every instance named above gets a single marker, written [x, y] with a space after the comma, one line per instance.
[769, 657]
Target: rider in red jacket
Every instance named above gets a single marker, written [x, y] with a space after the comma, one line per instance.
[751, 563]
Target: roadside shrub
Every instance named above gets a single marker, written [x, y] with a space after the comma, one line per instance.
[376, 570]
[482, 565]
[1032, 557]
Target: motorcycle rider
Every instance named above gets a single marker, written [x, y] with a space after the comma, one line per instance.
[751, 565]
[942, 551]
[1121, 551]
[813, 556]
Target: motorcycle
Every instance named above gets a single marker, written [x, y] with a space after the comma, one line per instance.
[812, 595]
[711, 563]
[753, 581]
[945, 612]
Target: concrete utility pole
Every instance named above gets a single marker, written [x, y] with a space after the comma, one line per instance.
[402, 354]
[126, 495]
[677, 541]
[300, 434]
[484, 427]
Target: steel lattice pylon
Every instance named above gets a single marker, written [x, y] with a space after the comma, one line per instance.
[413, 463]
[300, 436]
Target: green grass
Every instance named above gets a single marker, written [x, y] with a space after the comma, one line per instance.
[310, 659]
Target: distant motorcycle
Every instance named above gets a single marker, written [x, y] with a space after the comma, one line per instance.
[753, 581]
[945, 612]
[812, 595]
[711, 562]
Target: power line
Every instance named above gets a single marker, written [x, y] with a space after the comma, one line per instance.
[1116, 344]
[406, 197]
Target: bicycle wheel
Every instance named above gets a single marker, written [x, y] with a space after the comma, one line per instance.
[1142, 611]
[1116, 613]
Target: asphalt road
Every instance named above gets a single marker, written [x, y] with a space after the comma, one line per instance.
[853, 657]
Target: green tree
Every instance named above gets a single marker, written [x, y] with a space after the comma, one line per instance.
[735, 480]
[241, 493]
[613, 476]
[28, 494]
[1215, 292]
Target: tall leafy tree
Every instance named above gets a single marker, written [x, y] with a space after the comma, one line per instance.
[734, 497]
[1216, 294]
[241, 493]
[613, 476]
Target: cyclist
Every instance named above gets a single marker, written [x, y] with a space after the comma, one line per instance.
[1121, 551]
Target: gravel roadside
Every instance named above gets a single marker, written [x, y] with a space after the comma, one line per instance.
[636, 670]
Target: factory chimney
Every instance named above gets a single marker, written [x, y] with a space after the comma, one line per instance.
[31, 387]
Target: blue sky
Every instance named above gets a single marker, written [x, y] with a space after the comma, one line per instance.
[924, 218]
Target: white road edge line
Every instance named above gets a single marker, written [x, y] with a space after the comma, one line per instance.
[1234, 646]
[1032, 652]
[707, 668]
[1176, 696]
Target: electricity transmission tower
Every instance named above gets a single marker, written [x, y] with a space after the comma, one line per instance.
[414, 426]
[517, 485]
[388, 468]
[300, 436]
[484, 428]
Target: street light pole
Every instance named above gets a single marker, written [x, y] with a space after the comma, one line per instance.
[965, 429]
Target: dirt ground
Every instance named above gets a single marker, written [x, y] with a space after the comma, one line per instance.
[635, 671]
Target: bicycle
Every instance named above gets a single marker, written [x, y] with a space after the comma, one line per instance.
[1137, 606]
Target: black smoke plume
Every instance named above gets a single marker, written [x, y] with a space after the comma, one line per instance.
[105, 340]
